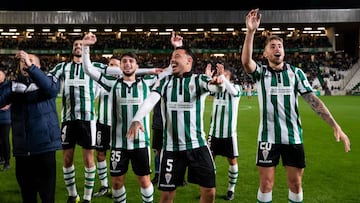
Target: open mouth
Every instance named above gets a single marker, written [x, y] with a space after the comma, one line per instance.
[277, 55]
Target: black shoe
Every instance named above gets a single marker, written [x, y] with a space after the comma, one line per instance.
[229, 195]
[73, 199]
[86, 201]
[155, 179]
[6, 167]
[103, 191]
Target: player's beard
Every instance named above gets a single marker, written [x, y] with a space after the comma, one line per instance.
[77, 52]
[127, 74]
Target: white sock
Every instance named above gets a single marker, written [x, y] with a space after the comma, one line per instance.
[119, 195]
[233, 175]
[293, 197]
[89, 182]
[102, 172]
[69, 178]
[264, 197]
[147, 194]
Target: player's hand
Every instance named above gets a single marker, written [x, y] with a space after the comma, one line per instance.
[133, 131]
[253, 20]
[208, 70]
[216, 80]
[24, 58]
[176, 40]
[341, 136]
[89, 39]
[158, 71]
[220, 69]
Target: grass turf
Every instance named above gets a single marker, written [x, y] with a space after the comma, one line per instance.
[331, 175]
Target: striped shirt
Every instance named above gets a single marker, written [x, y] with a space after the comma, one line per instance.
[104, 106]
[183, 104]
[126, 98]
[105, 97]
[224, 114]
[278, 91]
[78, 92]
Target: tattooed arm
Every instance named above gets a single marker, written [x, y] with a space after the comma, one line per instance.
[319, 107]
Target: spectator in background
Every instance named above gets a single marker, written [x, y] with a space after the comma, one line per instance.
[5, 125]
[35, 128]
[280, 131]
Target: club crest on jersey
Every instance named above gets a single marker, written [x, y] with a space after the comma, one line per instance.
[168, 177]
[98, 138]
[265, 147]
[265, 154]
[114, 164]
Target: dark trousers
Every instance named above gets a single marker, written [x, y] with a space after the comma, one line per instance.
[5, 142]
[36, 175]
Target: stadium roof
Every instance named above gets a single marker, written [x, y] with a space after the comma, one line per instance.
[182, 5]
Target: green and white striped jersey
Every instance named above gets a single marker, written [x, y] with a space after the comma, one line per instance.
[278, 92]
[104, 107]
[78, 92]
[104, 115]
[126, 99]
[183, 104]
[224, 113]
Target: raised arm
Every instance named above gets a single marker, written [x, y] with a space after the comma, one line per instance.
[115, 70]
[252, 23]
[89, 69]
[226, 80]
[319, 107]
[176, 40]
[217, 84]
[208, 70]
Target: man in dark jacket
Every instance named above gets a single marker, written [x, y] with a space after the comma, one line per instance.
[35, 128]
[5, 125]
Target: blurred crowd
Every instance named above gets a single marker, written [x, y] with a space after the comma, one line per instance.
[309, 62]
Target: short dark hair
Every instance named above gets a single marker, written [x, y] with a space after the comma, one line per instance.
[188, 52]
[115, 57]
[130, 54]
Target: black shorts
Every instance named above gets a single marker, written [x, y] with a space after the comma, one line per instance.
[268, 155]
[200, 165]
[226, 147]
[78, 132]
[102, 137]
[120, 159]
[157, 139]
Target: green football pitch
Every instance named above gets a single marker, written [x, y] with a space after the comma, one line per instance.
[331, 175]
